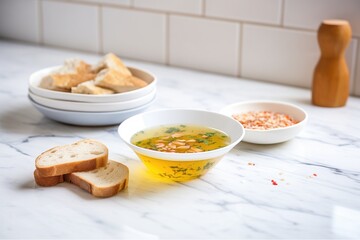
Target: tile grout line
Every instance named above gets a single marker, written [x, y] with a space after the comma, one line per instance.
[100, 30]
[355, 69]
[282, 13]
[203, 7]
[167, 39]
[40, 22]
[240, 48]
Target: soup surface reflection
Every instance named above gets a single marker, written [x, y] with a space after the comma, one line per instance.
[181, 138]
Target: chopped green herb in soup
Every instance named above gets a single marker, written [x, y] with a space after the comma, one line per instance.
[181, 138]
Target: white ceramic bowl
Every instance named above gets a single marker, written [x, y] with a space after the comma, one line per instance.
[192, 165]
[36, 77]
[89, 118]
[270, 136]
[91, 106]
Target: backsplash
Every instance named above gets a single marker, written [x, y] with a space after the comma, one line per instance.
[268, 40]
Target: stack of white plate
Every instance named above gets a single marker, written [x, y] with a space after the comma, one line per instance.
[91, 110]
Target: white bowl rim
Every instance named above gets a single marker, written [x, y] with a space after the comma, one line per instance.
[269, 102]
[185, 156]
[113, 105]
[83, 97]
[101, 113]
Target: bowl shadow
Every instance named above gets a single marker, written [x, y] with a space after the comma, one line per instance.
[142, 182]
[26, 119]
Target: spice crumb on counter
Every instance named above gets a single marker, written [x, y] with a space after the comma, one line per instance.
[274, 182]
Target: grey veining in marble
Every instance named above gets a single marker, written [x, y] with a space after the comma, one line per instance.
[234, 200]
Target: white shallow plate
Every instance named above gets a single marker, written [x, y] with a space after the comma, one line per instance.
[273, 135]
[91, 106]
[36, 77]
[89, 118]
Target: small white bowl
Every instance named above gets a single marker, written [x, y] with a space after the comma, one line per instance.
[88, 118]
[36, 77]
[270, 136]
[93, 107]
[192, 165]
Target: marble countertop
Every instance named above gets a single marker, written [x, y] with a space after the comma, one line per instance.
[318, 172]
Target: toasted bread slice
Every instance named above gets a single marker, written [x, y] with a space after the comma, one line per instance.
[102, 182]
[83, 155]
[89, 87]
[111, 61]
[114, 80]
[72, 73]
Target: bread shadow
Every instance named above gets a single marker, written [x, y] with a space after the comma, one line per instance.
[31, 185]
[27, 185]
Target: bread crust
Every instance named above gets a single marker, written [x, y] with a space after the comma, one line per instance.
[47, 181]
[78, 166]
[74, 166]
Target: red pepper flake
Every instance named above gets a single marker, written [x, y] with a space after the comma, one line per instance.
[314, 174]
[274, 182]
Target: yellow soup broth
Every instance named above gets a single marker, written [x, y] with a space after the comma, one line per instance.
[181, 138]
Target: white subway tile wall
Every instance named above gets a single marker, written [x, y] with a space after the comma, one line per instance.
[71, 25]
[113, 2]
[204, 44]
[134, 34]
[308, 14]
[268, 40]
[176, 6]
[357, 70]
[287, 56]
[20, 20]
[260, 11]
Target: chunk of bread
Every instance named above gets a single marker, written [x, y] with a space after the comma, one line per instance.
[114, 80]
[111, 61]
[89, 87]
[102, 182]
[83, 155]
[72, 73]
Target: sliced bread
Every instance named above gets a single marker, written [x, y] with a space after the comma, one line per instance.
[114, 80]
[102, 182]
[83, 155]
[89, 87]
[110, 60]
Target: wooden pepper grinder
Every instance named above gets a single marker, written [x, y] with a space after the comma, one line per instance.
[331, 75]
